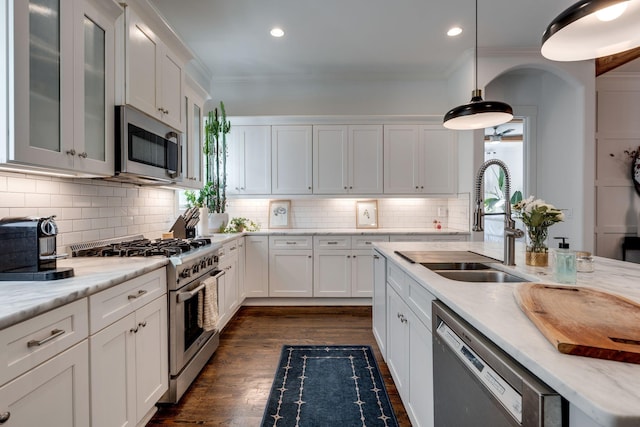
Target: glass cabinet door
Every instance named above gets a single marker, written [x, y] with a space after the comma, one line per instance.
[94, 90]
[196, 158]
[44, 74]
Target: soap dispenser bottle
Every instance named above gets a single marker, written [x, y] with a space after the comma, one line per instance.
[565, 263]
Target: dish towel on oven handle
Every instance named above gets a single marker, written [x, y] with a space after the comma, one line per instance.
[208, 304]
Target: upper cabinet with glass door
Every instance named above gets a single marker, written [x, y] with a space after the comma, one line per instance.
[62, 70]
[193, 137]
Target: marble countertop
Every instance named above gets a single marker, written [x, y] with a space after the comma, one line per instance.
[606, 391]
[26, 299]
[352, 231]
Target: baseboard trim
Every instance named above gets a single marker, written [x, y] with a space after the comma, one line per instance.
[306, 301]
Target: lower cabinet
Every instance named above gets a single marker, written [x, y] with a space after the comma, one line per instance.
[56, 393]
[379, 303]
[290, 266]
[129, 356]
[409, 347]
[228, 283]
[256, 277]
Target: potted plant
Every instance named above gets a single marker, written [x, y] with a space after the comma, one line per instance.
[212, 198]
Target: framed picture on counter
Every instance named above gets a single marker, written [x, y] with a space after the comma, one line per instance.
[367, 214]
[280, 214]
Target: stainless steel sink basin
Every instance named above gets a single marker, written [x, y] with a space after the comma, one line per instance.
[455, 266]
[480, 276]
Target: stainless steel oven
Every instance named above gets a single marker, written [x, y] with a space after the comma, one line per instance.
[190, 346]
[476, 384]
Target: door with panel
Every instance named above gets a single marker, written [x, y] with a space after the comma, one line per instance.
[291, 160]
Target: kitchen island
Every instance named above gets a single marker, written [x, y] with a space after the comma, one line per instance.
[600, 392]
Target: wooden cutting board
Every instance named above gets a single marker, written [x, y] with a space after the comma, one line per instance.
[584, 321]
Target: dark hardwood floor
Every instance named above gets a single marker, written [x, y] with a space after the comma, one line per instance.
[232, 389]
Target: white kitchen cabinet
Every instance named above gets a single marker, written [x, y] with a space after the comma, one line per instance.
[128, 350]
[409, 346]
[154, 75]
[419, 160]
[343, 266]
[249, 163]
[242, 262]
[291, 160]
[228, 294]
[290, 266]
[55, 393]
[332, 273]
[192, 142]
[398, 342]
[347, 159]
[44, 375]
[60, 113]
[257, 266]
[379, 303]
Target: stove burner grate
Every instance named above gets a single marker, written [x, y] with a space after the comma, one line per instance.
[138, 246]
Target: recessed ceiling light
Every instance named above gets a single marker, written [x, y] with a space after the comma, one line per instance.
[454, 31]
[277, 32]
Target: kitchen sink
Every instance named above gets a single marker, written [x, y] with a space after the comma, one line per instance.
[480, 276]
[455, 265]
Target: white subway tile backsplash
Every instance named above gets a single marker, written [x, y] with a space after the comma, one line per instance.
[86, 209]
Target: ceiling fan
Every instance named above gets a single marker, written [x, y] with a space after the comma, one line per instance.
[496, 137]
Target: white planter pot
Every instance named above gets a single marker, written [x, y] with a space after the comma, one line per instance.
[217, 221]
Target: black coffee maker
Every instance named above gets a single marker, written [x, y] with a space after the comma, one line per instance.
[28, 249]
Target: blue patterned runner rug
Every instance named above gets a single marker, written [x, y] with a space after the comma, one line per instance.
[327, 386]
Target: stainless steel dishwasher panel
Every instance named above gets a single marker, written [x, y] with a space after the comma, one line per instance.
[477, 384]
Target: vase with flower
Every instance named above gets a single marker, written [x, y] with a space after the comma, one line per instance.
[537, 216]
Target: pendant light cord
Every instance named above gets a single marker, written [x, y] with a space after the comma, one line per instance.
[476, 49]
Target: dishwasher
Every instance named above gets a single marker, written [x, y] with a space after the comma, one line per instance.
[477, 384]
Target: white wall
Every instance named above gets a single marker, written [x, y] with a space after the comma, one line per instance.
[331, 97]
[618, 205]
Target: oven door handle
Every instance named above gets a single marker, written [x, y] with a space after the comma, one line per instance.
[185, 296]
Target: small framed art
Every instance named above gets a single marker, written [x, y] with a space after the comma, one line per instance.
[279, 214]
[367, 214]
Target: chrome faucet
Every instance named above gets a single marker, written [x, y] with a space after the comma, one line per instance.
[511, 233]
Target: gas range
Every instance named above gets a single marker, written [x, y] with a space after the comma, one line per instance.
[188, 258]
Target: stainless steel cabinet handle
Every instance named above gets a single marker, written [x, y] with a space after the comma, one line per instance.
[138, 295]
[54, 334]
[292, 243]
[376, 257]
[84, 155]
[233, 248]
[142, 324]
[332, 243]
[71, 152]
[4, 417]
[134, 330]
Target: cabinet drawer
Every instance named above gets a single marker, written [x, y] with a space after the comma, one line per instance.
[332, 242]
[228, 248]
[419, 300]
[291, 242]
[366, 242]
[396, 278]
[29, 343]
[446, 238]
[114, 303]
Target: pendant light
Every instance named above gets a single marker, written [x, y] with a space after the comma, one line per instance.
[477, 114]
[592, 29]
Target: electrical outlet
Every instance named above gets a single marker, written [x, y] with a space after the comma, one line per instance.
[442, 211]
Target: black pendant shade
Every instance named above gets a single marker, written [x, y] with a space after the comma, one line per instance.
[478, 114]
[592, 29]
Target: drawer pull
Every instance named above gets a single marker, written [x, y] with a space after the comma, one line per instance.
[138, 295]
[142, 324]
[332, 243]
[134, 330]
[54, 334]
[292, 243]
[376, 257]
[233, 248]
[4, 417]
[367, 243]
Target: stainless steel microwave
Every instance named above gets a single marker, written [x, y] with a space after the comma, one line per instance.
[147, 151]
